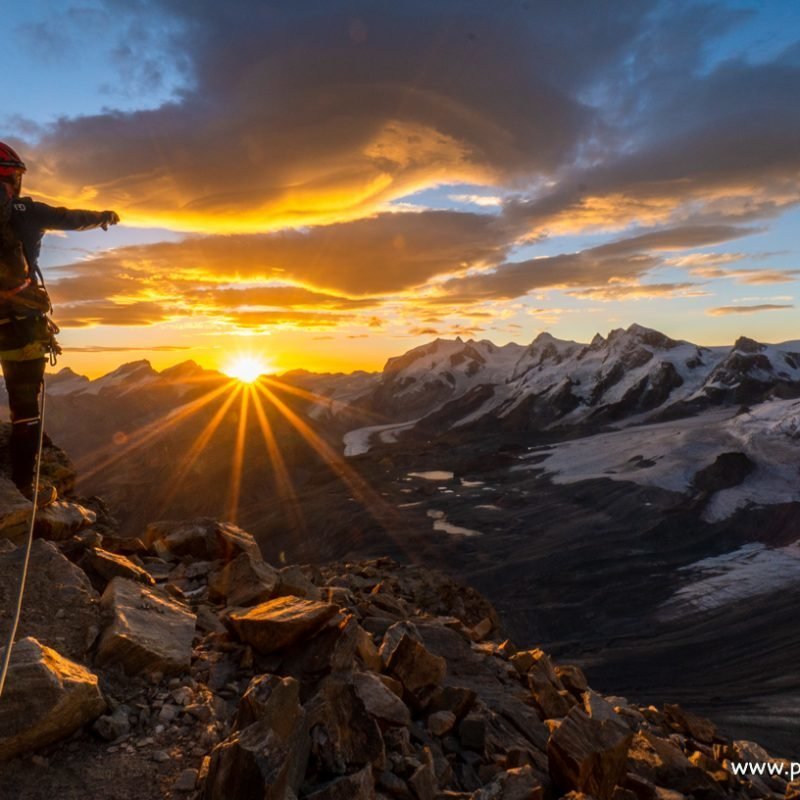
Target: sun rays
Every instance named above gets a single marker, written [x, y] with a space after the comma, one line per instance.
[247, 408]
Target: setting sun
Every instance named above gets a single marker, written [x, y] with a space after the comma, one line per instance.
[246, 368]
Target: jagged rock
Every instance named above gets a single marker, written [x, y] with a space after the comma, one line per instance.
[520, 783]
[547, 689]
[186, 781]
[423, 782]
[699, 728]
[103, 566]
[600, 709]
[392, 636]
[205, 539]
[358, 786]
[149, 631]
[280, 622]
[343, 734]
[293, 581]
[455, 699]
[46, 698]
[663, 763]
[441, 722]
[266, 695]
[588, 755]
[268, 758]
[244, 581]
[414, 666]
[379, 701]
[726, 471]
[15, 511]
[60, 608]
[572, 678]
[367, 651]
[472, 733]
[63, 519]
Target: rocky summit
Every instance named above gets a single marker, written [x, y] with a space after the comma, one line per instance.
[179, 664]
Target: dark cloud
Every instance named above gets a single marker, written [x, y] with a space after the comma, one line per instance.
[627, 259]
[289, 116]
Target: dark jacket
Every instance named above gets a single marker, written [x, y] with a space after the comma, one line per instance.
[31, 220]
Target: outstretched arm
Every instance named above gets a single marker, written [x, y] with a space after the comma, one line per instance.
[69, 219]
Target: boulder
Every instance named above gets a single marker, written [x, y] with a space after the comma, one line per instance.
[47, 697]
[268, 758]
[663, 763]
[699, 728]
[267, 697]
[15, 511]
[281, 622]
[331, 649]
[63, 519]
[244, 581]
[357, 786]
[548, 691]
[61, 607]
[344, 735]
[204, 539]
[588, 755]
[414, 666]
[149, 632]
[103, 566]
[379, 701]
[294, 581]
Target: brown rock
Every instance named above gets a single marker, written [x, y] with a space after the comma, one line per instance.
[358, 786]
[367, 651]
[46, 698]
[63, 519]
[293, 581]
[205, 539]
[343, 734]
[332, 648]
[281, 622]
[149, 631]
[103, 566]
[268, 758]
[379, 701]
[267, 697]
[55, 588]
[548, 691]
[699, 728]
[520, 783]
[244, 581]
[588, 755]
[572, 678]
[441, 722]
[423, 782]
[15, 512]
[663, 763]
[414, 666]
[480, 631]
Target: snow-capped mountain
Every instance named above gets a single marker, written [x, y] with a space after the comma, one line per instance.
[629, 376]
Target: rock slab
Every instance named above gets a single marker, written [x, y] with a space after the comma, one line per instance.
[149, 632]
[47, 698]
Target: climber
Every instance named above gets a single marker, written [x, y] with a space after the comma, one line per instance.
[27, 334]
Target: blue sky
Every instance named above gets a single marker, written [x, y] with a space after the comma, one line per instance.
[637, 162]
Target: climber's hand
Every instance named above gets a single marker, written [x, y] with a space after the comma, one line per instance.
[109, 218]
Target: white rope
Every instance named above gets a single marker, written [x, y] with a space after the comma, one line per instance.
[27, 557]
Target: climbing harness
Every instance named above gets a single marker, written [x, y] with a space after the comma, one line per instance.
[27, 556]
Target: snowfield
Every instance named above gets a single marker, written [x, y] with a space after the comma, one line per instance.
[669, 454]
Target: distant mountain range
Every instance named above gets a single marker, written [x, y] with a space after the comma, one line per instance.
[625, 501]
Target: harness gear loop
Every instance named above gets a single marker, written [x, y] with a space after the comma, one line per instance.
[27, 555]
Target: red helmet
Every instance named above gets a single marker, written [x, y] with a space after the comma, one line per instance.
[10, 163]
